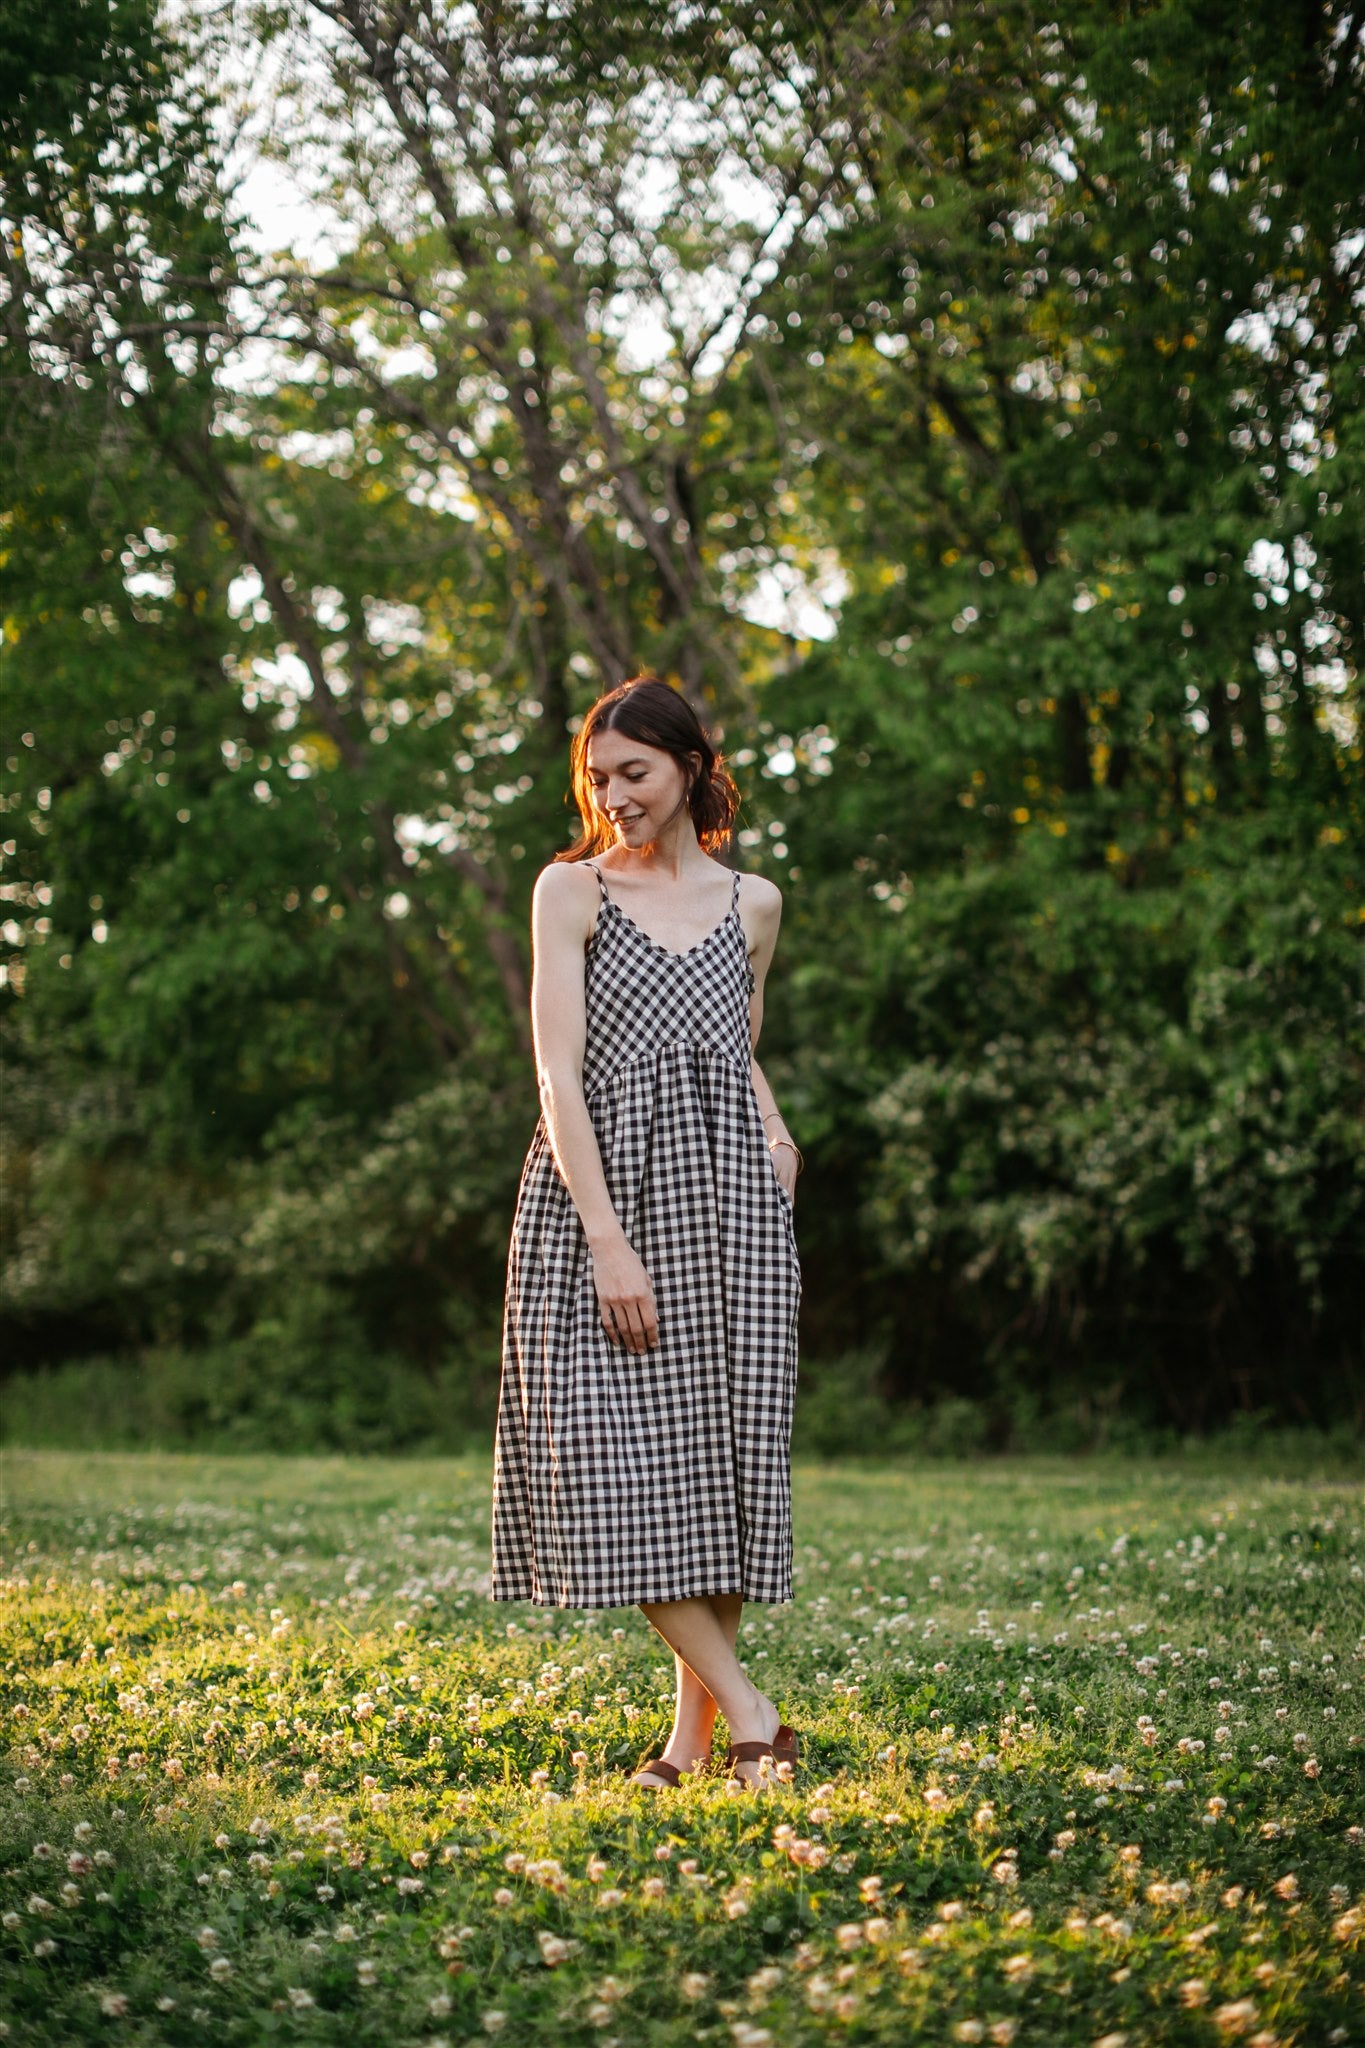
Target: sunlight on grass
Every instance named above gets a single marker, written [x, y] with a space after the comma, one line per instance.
[1081, 1762]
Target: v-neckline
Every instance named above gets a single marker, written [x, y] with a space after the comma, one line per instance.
[610, 903]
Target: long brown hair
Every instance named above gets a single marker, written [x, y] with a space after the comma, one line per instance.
[648, 710]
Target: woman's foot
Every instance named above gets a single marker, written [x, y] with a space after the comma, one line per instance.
[689, 1760]
[761, 1726]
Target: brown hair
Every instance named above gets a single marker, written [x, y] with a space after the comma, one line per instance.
[648, 710]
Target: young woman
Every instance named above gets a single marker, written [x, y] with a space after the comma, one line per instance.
[649, 1358]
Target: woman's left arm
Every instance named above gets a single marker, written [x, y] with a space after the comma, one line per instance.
[763, 905]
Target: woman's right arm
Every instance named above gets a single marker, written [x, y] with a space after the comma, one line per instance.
[562, 911]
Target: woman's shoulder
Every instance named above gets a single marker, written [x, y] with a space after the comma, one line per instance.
[565, 896]
[760, 895]
[563, 881]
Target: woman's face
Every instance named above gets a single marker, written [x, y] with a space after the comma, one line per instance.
[640, 789]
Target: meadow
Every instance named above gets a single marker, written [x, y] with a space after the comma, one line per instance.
[1082, 1764]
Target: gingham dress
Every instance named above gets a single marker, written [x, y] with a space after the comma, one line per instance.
[661, 1475]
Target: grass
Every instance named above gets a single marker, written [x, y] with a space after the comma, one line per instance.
[1082, 1763]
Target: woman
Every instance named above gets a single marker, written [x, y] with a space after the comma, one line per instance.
[649, 1357]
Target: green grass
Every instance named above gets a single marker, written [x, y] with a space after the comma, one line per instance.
[275, 1770]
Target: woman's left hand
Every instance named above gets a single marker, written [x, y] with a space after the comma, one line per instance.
[785, 1159]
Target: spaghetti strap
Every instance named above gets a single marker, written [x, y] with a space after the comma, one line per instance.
[734, 893]
[600, 883]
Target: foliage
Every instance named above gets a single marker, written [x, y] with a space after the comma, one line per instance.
[1079, 1756]
[1031, 346]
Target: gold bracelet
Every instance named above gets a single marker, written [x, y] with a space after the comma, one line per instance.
[791, 1146]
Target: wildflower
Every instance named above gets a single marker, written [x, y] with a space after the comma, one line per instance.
[1287, 1887]
[494, 2022]
[220, 1968]
[366, 1972]
[45, 1948]
[951, 1909]
[1019, 1968]
[1112, 2041]
[207, 1938]
[113, 2004]
[870, 1890]
[653, 1888]
[610, 1897]
[849, 1936]
[1235, 2017]
[502, 1897]
[554, 1950]
[1023, 1918]
[441, 2005]
[935, 1800]
[969, 2030]
[300, 1999]
[596, 1869]
[1234, 1896]
[693, 1985]
[1002, 2032]
[1194, 1991]
[1312, 1768]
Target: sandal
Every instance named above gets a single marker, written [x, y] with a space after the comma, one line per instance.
[670, 1773]
[782, 1749]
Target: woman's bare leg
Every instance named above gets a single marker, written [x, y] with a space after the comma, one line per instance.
[702, 1634]
[694, 1712]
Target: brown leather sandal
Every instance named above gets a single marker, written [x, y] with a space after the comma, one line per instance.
[782, 1749]
[661, 1768]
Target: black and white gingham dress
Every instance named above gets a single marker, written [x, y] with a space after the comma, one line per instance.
[660, 1475]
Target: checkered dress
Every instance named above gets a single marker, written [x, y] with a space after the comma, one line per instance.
[662, 1475]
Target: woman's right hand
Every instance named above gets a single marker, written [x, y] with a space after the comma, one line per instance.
[625, 1294]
